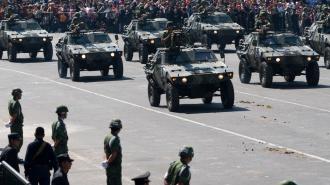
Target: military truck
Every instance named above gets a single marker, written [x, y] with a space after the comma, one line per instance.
[143, 36]
[188, 73]
[282, 54]
[318, 37]
[89, 51]
[24, 36]
[213, 28]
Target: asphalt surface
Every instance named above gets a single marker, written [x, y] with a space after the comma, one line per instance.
[270, 135]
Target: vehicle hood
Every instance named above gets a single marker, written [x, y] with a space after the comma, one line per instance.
[108, 46]
[30, 33]
[222, 26]
[287, 51]
[150, 35]
[93, 48]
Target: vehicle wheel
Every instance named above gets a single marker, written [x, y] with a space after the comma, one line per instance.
[153, 95]
[237, 42]
[207, 99]
[12, 53]
[48, 52]
[33, 55]
[327, 57]
[118, 68]
[74, 70]
[62, 68]
[128, 52]
[222, 50]
[312, 74]
[172, 98]
[289, 78]
[266, 75]
[206, 41]
[105, 71]
[244, 72]
[227, 94]
[143, 54]
[1, 52]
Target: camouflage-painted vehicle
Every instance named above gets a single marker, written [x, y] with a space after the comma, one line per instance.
[188, 73]
[91, 51]
[24, 36]
[213, 28]
[282, 54]
[318, 37]
[143, 36]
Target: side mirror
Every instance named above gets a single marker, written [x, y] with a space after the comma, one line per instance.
[150, 57]
[319, 30]
[116, 37]
[254, 43]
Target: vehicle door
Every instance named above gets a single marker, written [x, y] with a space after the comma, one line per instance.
[2, 35]
[65, 49]
[159, 69]
[252, 54]
[315, 37]
[134, 34]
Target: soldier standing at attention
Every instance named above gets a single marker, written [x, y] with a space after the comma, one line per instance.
[59, 132]
[178, 173]
[60, 177]
[10, 152]
[16, 115]
[112, 149]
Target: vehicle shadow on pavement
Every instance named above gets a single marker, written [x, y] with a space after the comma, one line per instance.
[293, 85]
[206, 108]
[29, 61]
[226, 51]
[89, 79]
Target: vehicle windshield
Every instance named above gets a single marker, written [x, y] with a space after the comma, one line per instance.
[152, 25]
[21, 26]
[100, 38]
[80, 39]
[187, 57]
[216, 19]
[281, 41]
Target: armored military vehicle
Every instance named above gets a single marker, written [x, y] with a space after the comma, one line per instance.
[89, 51]
[318, 37]
[213, 28]
[24, 36]
[143, 36]
[282, 54]
[188, 73]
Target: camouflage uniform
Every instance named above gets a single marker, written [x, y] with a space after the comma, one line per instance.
[59, 133]
[262, 21]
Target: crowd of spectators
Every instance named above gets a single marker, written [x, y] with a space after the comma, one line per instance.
[112, 15]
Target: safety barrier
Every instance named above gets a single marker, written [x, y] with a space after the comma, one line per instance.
[9, 176]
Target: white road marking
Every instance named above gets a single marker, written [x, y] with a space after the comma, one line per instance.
[192, 121]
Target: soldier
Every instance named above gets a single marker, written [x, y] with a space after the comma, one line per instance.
[16, 115]
[112, 149]
[60, 176]
[178, 172]
[142, 179]
[10, 152]
[262, 23]
[75, 21]
[39, 159]
[166, 38]
[59, 132]
[286, 182]
[324, 14]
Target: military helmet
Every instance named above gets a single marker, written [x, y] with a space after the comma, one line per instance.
[62, 108]
[115, 124]
[186, 151]
[287, 182]
[262, 13]
[17, 91]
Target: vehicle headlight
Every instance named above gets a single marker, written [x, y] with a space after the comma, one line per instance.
[112, 54]
[220, 76]
[215, 31]
[237, 31]
[20, 40]
[152, 41]
[278, 60]
[184, 80]
[83, 56]
[44, 39]
[173, 79]
[309, 59]
[230, 75]
[269, 58]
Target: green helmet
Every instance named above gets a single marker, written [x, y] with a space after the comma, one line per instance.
[115, 124]
[186, 151]
[62, 108]
[287, 182]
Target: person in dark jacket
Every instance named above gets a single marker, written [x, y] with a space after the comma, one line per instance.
[10, 152]
[60, 176]
[39, 160]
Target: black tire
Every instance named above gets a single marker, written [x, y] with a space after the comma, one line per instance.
[48, 52]
[74, 70]
[289, 78]
[327, 57]
[33, 55]
[118, 68]
[206, 41]
[222, 50]
[312, 74]
[237, 42]
[62, 69]
[244, 72]
[153, 95]
[266, 75]
[1, 53]
[143, 54]
[105, 71]
[207, 99]
[12, 53]
[227, 94]
[128, 52]
[172, 98]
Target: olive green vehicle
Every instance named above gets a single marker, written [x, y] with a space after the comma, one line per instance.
[24, 36]
[318, 37]
[91, 51]
[213, 28]
[143, 36]
[282, 54]
[188, 73]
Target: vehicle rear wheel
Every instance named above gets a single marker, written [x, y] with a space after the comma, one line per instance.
[48, 52]
[33, 55]
[74, 70]
[105, 71]
[207, 99]
[244, 72]
[172, 98]
[312, 74]
[206, 41]
[327, 57]
[1, 53]
[12, 53]
[222, 50]
[118, 68]
[62, 68]
[289, 78]
[128, 52]
[266, 75]
[227, 94]
[153, 95]
[143, 54]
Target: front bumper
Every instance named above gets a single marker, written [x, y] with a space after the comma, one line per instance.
[224, 36]
[30, 44]
[97, 61]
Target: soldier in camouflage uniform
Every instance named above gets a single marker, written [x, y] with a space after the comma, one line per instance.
[325, 12]
[16, 115]
[76, 20]
[178, 172]
[262, 23]
[59, 132]
[166, 38]
[113, 152]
